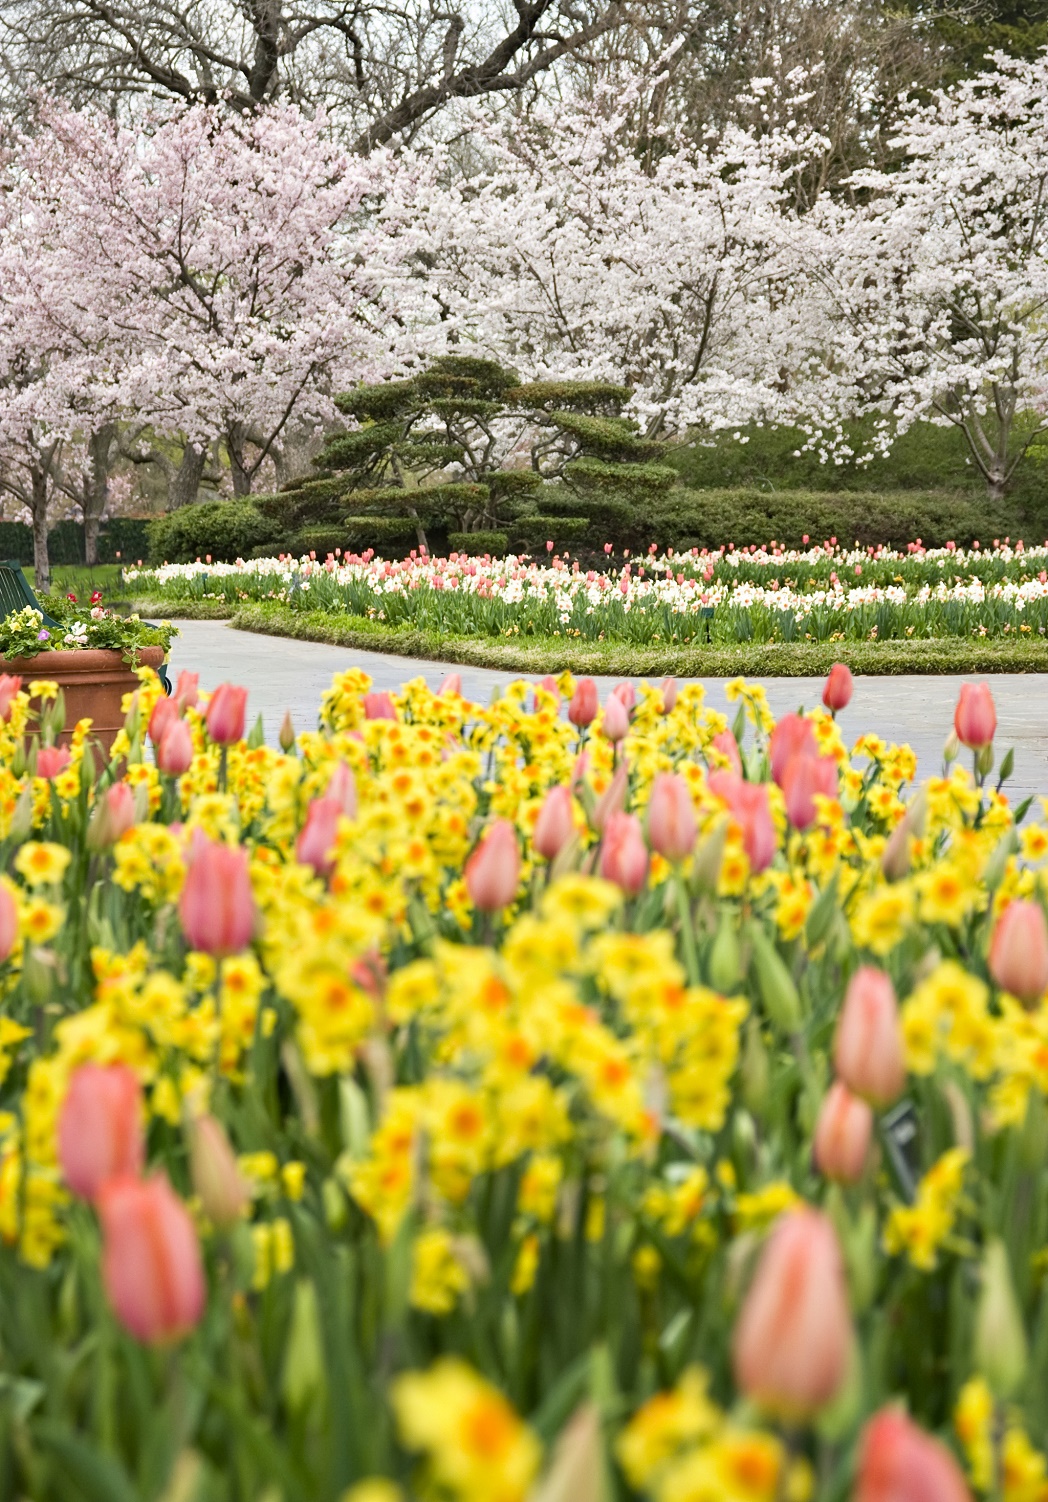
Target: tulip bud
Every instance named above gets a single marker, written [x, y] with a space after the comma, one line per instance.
[113, 815]
[898, 1462]
[838, 690]
[843, 1134]
[217, 907]
[613, 798]
[750, 808]
[668, 689]
[778, 990]
[174, 755]
[951, 748]
[802, 780]
[379, 707]
[555, 824]
[793, 1338]
[1000, 1340]
[724, 965]
[671, 817]
[577, 1471]
[869, 1054]
[100, 1128]
[316, 842]
[51, 760]
[225, 714]
[725, 742]
[165, 710]
[187, 689]
[623, 854]
[793, 736]
[10, 685]
[709, 858]
[451, 687]
[616, 722]
[975, 718]
[151, 1264]
[1019, 951]
[286, 734]
[582, 710]
[8, 921]
[492, 872]
[304, 1377]
[216, 1178]
[755, 1069]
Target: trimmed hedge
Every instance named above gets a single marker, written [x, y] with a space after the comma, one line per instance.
[680, 519]
[124, 539]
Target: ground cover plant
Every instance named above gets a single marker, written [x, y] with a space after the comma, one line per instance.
[819, 594]
[536, 1100]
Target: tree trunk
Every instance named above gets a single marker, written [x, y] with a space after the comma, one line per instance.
[186, 482]
[41, 560]
[235, 449]
[97, 489]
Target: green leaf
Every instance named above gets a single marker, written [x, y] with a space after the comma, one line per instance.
[97, 1477]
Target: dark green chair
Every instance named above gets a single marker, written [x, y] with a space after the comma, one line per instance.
[16, 593]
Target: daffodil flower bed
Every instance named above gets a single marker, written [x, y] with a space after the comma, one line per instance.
[519, 1103]
[824, 593]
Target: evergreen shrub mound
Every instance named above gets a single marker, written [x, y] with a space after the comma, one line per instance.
[228, 530]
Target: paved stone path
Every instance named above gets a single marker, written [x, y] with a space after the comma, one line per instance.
[283, 674]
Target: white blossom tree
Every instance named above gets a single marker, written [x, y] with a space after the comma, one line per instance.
[936, 274]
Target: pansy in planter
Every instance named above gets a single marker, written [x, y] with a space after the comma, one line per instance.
[24, 633]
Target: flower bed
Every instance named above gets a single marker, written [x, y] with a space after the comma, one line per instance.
[822, 594]
[477, 1102]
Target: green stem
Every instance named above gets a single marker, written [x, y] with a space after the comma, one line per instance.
[687, 929]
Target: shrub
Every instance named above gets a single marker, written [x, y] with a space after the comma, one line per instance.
[226, 529]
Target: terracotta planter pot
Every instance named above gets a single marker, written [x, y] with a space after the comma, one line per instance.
[93, 682]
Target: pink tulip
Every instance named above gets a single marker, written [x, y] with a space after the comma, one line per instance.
[668, 688]
[582, 710]
[379, 707]
[626, 695]
[165, 711]
[839, 687]
[868, 1051]
[750, 807]
[805, 777]
[793, 1337]
[728, 746]
[174, 754]
[8, 923]
[225, 714]
[151, 1264]
[975, 718]
[623, 853]
[1019, 951]
[187, 690]
[549, 684]
[613, 797]
[51, 760]
[451, 687]
[100, 1128]
[555, 825]
[842, 1136]
[316, 841]
[794, 735]
[899, 1462]
[493, 870]
[216, 1178]
[616, 722]
[217, 906]
[114, 814]
[343, 788]
[671, 817]
[10, 685]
